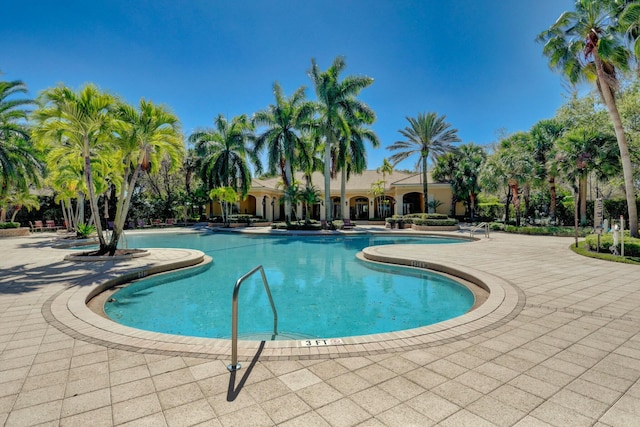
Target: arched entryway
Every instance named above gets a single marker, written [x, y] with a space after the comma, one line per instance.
[384, 207]
[360, 208]
[411, 203]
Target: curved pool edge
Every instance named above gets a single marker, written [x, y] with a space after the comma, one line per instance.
[68, 311]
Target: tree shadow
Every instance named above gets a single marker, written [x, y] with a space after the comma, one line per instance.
[233, 391]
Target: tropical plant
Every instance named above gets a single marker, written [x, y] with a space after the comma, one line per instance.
[309, 196]
[18, 200]
[511, 167]
[351, 156]
[146, 137]
[582, 151]
[76, 128]
[225, 196]
[223, 154]
[587, 44]
[19, 165]
[428, 136]
[84, 230]
[336, 105]
[285, 121]
[544, 137]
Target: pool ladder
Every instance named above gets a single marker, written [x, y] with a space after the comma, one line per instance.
[482, 225]
[234, 315]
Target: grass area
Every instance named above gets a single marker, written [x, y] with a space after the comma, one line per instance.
[583, 250]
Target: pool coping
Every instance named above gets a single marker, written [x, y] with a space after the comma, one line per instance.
[68, 311]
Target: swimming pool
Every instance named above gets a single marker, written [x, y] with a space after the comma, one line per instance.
[320, 289]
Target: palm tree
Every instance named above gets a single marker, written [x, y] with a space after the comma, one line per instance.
[379, 186]
[79, 124]
[428, 136]
[585, 44]
[351, 157]
[337, 104]
[147, 136]
[285, 121]
[544, 136]
[583, 151]
[470, 160]
[446, 169]
[309, 196]
[223, 153]
[461, 168]
[19, 166]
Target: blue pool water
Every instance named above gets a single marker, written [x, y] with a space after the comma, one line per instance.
[320, 288]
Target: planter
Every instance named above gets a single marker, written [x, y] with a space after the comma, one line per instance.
[14, 232]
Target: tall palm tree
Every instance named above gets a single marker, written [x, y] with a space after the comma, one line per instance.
[19, 165]
[81, 125]
[224, 153]
[147, 136]
[582, 151]
[586, 44]
[285, 121]
[428, 136]
[545, 135]
[337, 103]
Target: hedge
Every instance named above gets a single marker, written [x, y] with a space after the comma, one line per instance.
[435, 222]
[631, 245]
[4, 225]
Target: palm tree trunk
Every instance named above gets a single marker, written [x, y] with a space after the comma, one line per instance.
[425, 194]
[627, 168]
[582, 198]
[93, 200]
[344, 212]
[288, 181]
[328, 208]
[553, 195]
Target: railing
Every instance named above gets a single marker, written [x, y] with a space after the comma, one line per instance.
[482, 225]
[234, 316]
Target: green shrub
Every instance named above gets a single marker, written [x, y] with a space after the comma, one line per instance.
[496, 226]
[435, 222]
[490, 211]
[296, 226]
[84, 230]
[631, 244]
[4, 225]
[547, 231]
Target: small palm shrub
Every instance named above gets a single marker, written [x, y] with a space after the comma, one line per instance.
[84, 230]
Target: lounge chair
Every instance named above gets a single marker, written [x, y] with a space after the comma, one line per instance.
[171, 221]
[348, 224]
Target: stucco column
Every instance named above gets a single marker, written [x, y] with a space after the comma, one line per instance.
[397, 208]
[372, 207]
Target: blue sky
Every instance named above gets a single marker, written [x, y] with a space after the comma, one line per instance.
[475, 61]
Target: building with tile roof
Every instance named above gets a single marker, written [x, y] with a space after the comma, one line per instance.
[402, 195]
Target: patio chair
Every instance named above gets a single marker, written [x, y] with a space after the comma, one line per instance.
[142, 224]
[348, 224]
[171, 221]
[36, 227]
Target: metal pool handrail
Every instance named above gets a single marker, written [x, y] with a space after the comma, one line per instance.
[234, 315]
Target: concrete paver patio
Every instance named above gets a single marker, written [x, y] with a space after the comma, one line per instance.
[562, 349]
